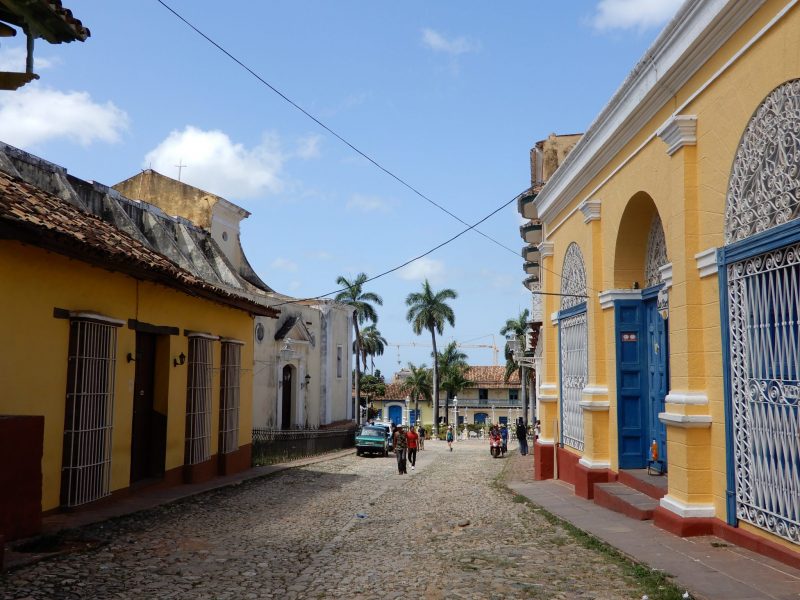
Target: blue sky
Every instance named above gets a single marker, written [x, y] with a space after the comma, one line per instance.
[449, 95]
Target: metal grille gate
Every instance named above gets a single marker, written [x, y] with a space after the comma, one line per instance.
[89, 416]
[574, 374]
[198, 400]
[229, 397]
[764, 328]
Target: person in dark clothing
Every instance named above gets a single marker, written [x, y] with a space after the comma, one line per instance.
[522, 436]
[400, 448]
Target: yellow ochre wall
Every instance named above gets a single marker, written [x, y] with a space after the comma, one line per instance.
[688, 189]
[33, 361]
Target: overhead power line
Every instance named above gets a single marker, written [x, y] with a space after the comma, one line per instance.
[327, 128]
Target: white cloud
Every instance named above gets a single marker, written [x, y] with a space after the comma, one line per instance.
[367, 203]
[454, 46]
[319, 255]
[294, 285]
[36, 114]
[308, 147]
[216, 163]
[284, 264]
[13, 59]
[424, 268]
[633, 14]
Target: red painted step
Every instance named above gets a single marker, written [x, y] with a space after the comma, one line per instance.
[622, 499]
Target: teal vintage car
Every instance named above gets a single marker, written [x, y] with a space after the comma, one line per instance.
[372, 440]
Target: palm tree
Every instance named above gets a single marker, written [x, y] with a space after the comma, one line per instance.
[418, 384]
[451, 358]
[372, 344]
[361, 302]
[516, 329]
[429, 311]
[454, 379]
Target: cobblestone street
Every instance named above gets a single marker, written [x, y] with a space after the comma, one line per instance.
[349, 527]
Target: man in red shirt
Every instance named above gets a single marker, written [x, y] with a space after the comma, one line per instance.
[412, 437]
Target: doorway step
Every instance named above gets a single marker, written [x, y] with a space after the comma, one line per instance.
[635, 494]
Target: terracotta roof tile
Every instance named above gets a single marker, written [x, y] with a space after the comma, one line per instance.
[40, 218]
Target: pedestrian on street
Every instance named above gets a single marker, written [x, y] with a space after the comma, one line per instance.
[449, 437]
[504, 437]
[412, 438]
[400, 447]
[421, 437]
[522, 436]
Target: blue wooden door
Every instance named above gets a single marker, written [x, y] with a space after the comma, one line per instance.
[396, 414]
[657, 377]
[480, 418]
[413, 416]
[631, 384]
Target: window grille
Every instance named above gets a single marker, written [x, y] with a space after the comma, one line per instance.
[656, 253]
[513, 394]
[89, 415]
[574, 367]
[229, 396]
[198, 400]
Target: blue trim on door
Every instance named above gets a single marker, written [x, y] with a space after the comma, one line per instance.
[771, 239]
[730, 474]
[631, 384]
[652, 291]
[572, 311]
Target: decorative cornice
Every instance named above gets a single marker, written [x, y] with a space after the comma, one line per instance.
[547, 398]
[693, 398]
[666, 275]
[685, 510]
[685, 421]
[697, 31]
[707, 262]
[679, 131]
[591, 210]
[594, 464]
[607, 297]
[594, 405]
[546, 249]
[595, 390]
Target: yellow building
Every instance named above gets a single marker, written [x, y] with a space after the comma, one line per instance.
[140, 367]
[670, 241]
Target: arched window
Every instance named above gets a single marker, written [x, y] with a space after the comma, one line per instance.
[760, 284]
[573, 341]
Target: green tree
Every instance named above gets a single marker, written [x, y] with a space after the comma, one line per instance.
[454, 379]
[451, 359]
[516, 329]
[363, 310]
[419, 384]
[429, 311]
[372, 344]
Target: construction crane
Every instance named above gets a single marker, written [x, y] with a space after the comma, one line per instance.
[493, 347]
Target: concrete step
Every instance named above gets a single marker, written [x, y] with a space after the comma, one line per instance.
[622, 499]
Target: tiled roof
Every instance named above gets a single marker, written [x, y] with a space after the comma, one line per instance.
[47, 18]
[394, 391]
[35, 216]
[491, 377]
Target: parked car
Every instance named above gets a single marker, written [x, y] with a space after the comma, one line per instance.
[372, 440]
[388, 428]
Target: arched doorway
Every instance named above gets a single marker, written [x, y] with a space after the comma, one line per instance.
[481, 418]
[642, 342]
[760, 307]
[287, 391]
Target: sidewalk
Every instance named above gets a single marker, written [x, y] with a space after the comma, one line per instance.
[708, 567]
[148, 498]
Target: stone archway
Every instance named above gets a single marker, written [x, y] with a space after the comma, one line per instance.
[641, 336]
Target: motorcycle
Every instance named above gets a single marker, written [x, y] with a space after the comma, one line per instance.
[495, 446]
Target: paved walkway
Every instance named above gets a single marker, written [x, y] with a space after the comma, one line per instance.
[350, 527]
[707, 566]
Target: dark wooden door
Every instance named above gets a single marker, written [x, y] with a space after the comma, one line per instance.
[148, 439]
[286, 403]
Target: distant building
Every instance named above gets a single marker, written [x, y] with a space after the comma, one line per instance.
[302, 360]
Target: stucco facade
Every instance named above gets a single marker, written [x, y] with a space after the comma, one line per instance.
[641, 231]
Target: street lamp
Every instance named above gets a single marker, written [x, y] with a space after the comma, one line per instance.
[466, 422]
[455, 416]
[408, 419]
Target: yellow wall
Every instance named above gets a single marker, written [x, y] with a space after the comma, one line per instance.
[33, 361]
[688, 190]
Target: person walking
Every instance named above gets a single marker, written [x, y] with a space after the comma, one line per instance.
[522, 436]
[421, 437]
[449, 437]
[504, 437]
[400, 448]
[412, 437]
